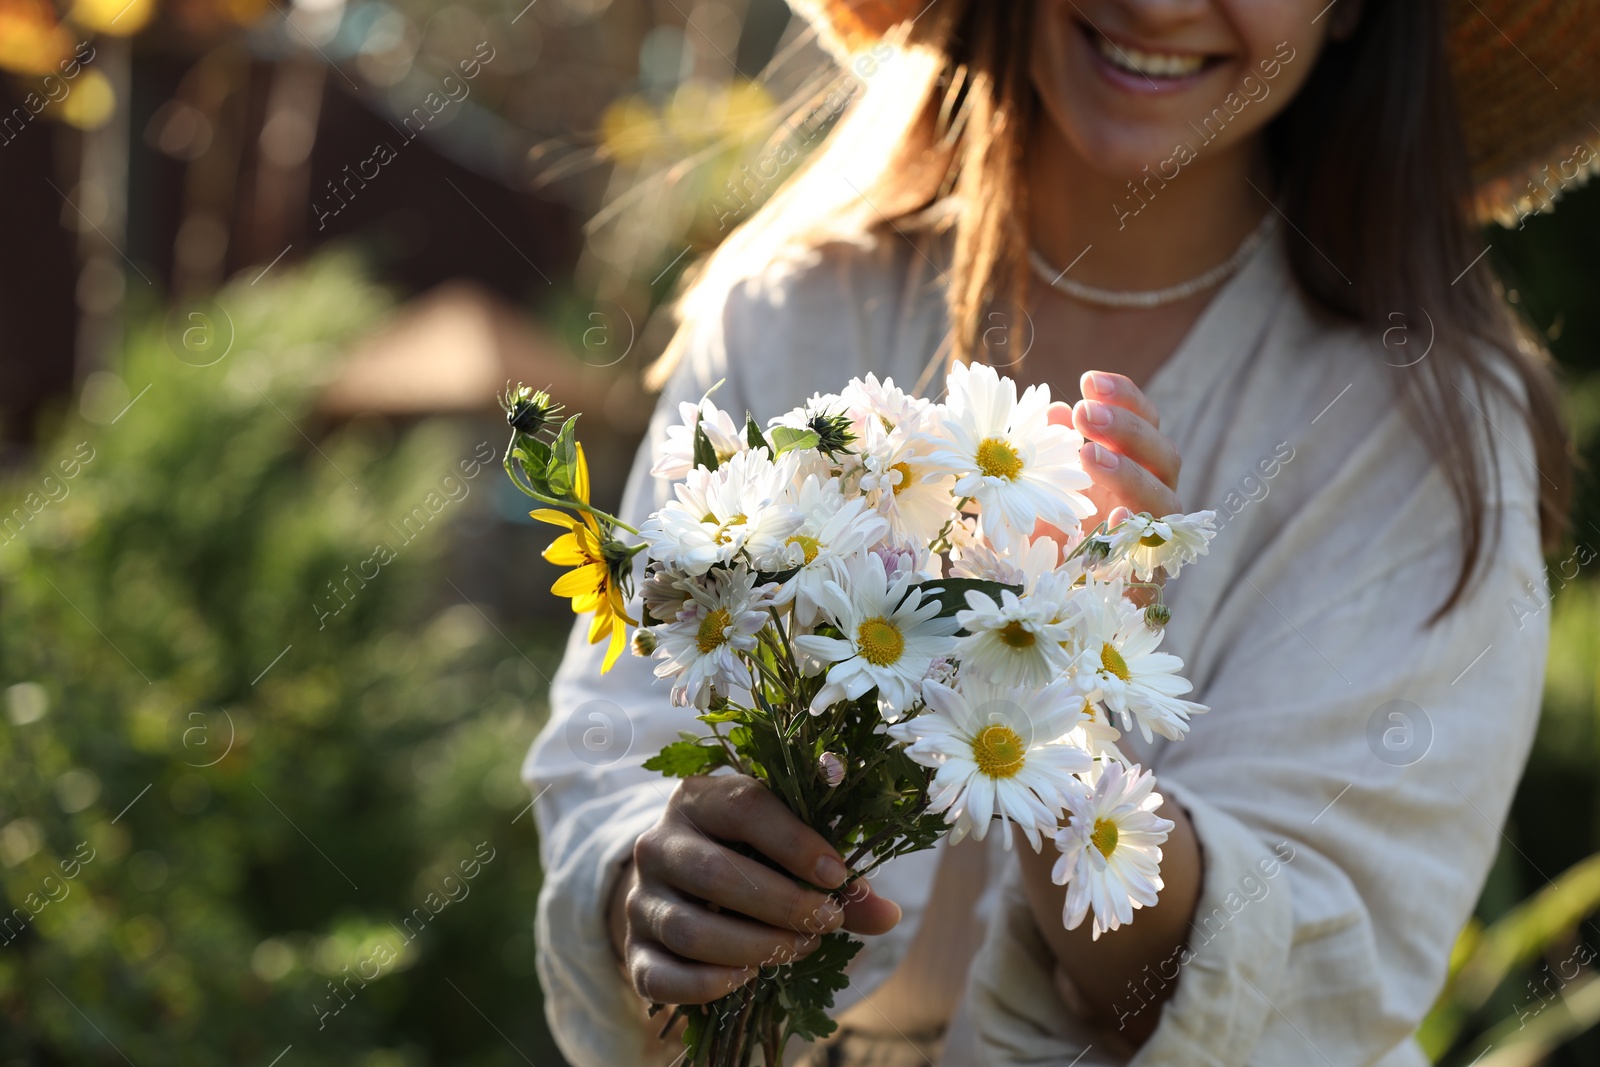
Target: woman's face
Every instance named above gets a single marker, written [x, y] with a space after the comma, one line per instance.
[1160, 83]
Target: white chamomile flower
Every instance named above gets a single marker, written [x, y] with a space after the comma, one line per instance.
[740, 509]
[1008, 456]
[1111, 849]
[1026, 565]
[944, 670]
[676, 458]
[1118, 658]
[902, 482]
[906, 559]
[867, 400]
[1019, 641]
[832, 529]
[664, 593]
[1150, 544]
[1095, 732]
[890, 638]
[998, 752]
[700, 649]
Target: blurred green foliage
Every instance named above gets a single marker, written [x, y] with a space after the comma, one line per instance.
[1522, 987]
[219, 801]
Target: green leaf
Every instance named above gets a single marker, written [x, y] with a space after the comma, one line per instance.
[752, 433]
[704, 454]
[533, 456]
[779, 577]
[787, 439]
[951, 593]
[684, 759]
[561, 473]
[727, 715]
[806, 987]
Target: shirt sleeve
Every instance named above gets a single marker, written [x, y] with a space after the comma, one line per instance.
[593, 798]
[1347, 786]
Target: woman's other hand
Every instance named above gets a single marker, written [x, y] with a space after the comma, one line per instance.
[691, 920]
[1133, 464]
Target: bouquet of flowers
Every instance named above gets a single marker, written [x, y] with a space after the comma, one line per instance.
[889, 611]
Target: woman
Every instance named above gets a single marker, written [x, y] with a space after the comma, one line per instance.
[1240, 227]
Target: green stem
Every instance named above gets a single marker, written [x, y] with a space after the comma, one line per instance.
[870, 843]
[771, 676]
[796, 797]
[733, 756]
[783, 643]
[941, 544]
[1083, 545]
[512, 471]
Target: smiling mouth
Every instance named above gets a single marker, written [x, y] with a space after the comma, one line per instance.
[1171, 66]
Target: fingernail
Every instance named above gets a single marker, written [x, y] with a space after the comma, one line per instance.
[1101, 456]
[831, 871]
[1096, 383]
[1097, 414]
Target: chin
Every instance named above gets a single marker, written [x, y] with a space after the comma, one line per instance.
[1117, 149]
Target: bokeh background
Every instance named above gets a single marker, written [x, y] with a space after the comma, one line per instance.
[273, 630]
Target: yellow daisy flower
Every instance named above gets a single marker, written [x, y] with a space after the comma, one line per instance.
[590, 584]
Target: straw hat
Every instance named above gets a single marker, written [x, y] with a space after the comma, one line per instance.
[1527, 77]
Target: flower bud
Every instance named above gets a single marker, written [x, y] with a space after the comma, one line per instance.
[529, 410]
[1156, 616]
[831, 767]
[1099, 550]
[834, 432]
[644, 643]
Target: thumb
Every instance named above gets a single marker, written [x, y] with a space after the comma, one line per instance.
[865, 912]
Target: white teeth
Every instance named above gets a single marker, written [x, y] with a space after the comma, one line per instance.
[1150, 64]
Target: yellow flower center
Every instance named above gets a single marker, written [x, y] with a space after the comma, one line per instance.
[1152, 540]
[723, 537]
[808, 545]
[1111, 660]
[1015, 635]
[1104, 837]
[710, 637]
[1088, 708]
[997, 459]
[879, 641]
[998, 751]
[905, 476]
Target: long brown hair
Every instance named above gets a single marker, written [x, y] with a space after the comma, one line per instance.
[1369, 166]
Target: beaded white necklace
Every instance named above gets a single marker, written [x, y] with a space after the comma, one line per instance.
[1151, 298]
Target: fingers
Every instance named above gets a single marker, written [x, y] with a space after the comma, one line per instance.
[679, 950]
[1130, 434]
[1118, 389]
[662, 978]
[1127, 482]
[737, 808]
[701, 868]
[693, 932]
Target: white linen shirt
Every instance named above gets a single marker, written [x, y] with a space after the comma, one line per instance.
[1347, 786]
